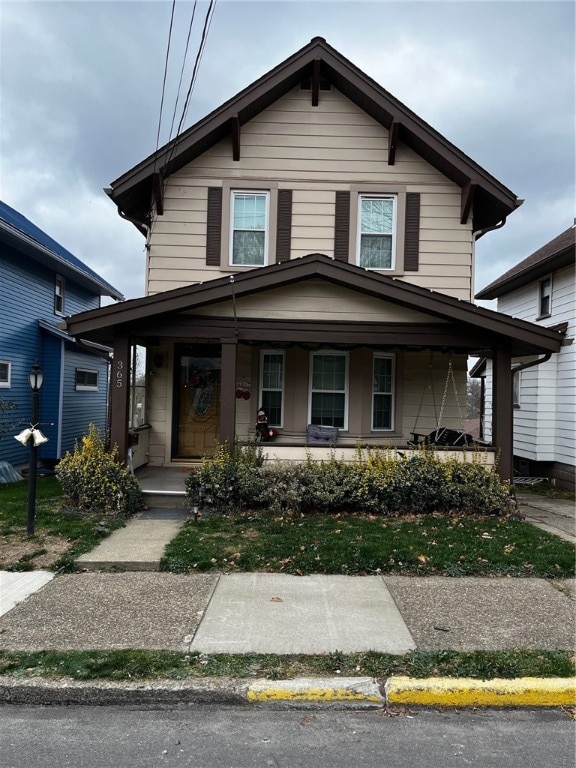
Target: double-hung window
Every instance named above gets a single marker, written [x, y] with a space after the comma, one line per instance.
[328, 389]
[59, 286]
[545, 297]
[383, 392]
[5, 372]
[272, 386]
[249, 228]
[376, 231]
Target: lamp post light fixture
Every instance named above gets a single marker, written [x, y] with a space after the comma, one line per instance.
[35, 379]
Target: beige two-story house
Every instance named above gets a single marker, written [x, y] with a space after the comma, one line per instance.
[310, 254]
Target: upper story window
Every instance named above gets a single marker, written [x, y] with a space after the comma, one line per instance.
[249, 228]
[59, 290]
[5, 373]
[545, 297]
[86, 379]
[376, 231]
[272, 386]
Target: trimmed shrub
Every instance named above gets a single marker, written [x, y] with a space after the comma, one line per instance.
[95, 482]
[385, 483]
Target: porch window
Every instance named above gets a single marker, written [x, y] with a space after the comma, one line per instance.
[272, 386]
[86, 379]
[376, 231]
[545, 297]
[59, 286]
[516, 384]
[249, 229]
[5, 371]
[383, 392]
[328, 400]
[138, 385]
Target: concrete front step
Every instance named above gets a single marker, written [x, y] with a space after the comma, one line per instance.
[165, 499]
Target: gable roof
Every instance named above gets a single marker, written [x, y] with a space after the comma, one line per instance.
[23, 235]
[101, 324]
[556, 254]
[492, 201]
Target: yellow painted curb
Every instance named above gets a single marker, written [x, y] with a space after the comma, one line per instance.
[315, 689]
[468, 692]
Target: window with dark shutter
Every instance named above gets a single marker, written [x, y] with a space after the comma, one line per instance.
[342, 226]
[412, 232]
[214, 226]
[284, 225]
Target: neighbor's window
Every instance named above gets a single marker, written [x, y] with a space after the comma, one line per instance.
[328, 385]
[376, 231]
[545, 297]
[272, 386]
[59, 285]
[138, 384]
[383, 392]
[86, 379]
[5, 373]
[516, 384]
[249, 224]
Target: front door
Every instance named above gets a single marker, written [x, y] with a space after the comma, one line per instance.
[196, 399]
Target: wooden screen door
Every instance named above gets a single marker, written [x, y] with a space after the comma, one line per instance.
[197, 370]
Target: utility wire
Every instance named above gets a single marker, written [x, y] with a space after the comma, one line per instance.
[182, 69]
[164, 82]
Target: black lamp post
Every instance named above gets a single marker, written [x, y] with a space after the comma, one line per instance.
[35, 378]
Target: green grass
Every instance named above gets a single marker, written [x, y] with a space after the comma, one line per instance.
[426, 545]
[147, 665]
[547, 490]
[82, 532]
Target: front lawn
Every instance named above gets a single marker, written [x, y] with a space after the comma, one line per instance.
[60, 536]
[356, 544]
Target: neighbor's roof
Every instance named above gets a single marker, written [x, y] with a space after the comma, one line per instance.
[26, 237]
[556, 254]
[161, 310]
[489, 200]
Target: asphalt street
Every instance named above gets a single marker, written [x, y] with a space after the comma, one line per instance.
[238, 737]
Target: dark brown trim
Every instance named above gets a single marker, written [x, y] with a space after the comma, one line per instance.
[214, 227]
[228, 391]
[412, 233]
[235, 137]
[284, 225]
[502, 411]
[342, 226]
[526, 338]
[131, 192]
[467, 199]
[316, 83]
[120, 396]
[158, 194]
[393, 141]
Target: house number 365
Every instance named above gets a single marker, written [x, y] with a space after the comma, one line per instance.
[119, 374]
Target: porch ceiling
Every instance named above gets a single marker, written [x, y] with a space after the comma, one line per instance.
[172, 314]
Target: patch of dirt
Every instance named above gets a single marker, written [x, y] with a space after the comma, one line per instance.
[40, 551]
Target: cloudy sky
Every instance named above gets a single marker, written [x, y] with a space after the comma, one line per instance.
[81, 81]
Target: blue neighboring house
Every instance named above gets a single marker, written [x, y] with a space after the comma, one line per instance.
[40, 284]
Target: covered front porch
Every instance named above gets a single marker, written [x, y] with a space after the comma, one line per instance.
[311, 341]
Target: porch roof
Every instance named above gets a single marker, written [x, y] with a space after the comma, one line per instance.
[489, 201]
[169, 313]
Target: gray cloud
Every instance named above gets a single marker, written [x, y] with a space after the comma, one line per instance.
[81, 85]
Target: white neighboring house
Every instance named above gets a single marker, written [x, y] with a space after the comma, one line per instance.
[541, 289]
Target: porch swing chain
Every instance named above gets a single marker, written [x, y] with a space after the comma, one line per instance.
[449, 377]
[429, 384]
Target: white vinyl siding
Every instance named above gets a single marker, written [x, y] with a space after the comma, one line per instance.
[314, 152]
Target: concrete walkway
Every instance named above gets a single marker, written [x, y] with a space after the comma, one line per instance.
[16, 587]
[138, 546]
[556, 516]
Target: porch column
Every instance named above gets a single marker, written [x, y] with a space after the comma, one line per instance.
[502, 411]
[228, 391]
[120, 396]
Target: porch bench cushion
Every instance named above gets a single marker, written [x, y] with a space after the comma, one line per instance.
[323, 435]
